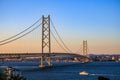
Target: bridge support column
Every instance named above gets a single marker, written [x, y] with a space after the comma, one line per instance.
[85, 48]
[46, 42]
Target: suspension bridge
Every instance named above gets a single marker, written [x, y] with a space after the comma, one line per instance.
[46, 53]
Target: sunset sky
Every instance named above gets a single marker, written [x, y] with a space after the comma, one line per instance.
[97, 21]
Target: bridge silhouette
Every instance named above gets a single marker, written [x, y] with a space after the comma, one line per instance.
[46, 54]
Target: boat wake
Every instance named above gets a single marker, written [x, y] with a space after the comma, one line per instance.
[103, 75]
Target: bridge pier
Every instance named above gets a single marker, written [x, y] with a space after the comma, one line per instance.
[41, 63]
[43, 60]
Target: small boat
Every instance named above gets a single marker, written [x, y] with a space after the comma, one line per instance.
[84, 73]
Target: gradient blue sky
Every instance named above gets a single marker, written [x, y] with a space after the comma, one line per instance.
[97, 21]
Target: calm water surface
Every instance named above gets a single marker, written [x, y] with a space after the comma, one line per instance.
[68, 71]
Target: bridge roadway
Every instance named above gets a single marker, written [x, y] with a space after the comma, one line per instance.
[18, 55]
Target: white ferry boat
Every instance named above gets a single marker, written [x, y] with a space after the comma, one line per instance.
[84, 73]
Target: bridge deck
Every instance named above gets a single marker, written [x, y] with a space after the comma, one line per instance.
[5, 55]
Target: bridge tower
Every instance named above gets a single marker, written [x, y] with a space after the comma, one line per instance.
[85, 48]
[46, 43]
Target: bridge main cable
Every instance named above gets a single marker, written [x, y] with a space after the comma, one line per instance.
[20, 32]
[58, 42]
[20, 36]
[61, 38]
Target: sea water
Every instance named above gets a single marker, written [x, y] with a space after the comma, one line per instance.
[67, 71]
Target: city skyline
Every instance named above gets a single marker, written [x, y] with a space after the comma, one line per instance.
[96, 21]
